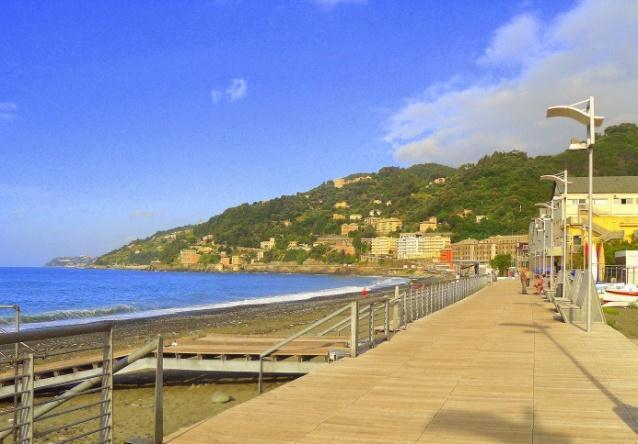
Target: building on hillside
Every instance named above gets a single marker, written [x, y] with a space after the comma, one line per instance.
[377, 201]
[342, 182]
[355, 217]
[440, 180]
[480, 218]
[343, 204]
[422, 245]
[188, 257]
[267, 245]
[349, 228]
[203, 249]
[236, 259]
[293, 245]
[430, 224]
[337, 216]
[387, 225]
[336, 242]
[225, 260]
[339, 183]
[465, 212]
[486, 249]
[383, 246]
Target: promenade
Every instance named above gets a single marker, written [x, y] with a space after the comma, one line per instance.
[496, 367]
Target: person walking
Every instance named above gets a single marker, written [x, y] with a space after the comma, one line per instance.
[523, 277]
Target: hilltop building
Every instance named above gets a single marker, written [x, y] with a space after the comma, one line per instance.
[383, 246]
[440, 180]
[421, 245]
[342, 182]
[429, 225]
[342, 204]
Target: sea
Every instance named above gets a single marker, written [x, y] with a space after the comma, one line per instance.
[61, 296]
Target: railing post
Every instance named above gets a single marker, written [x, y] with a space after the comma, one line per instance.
[25, 428]
[106, 408]
[354, 328]
[371, 325]
[405, 309]
[159, 397]
[386, 318]
[260, 377]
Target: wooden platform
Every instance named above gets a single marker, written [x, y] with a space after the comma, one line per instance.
[497, 367]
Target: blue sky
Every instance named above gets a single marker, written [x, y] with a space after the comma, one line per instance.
[121, 118]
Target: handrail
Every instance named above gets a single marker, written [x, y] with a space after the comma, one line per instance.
[38, 411]
[54, 332]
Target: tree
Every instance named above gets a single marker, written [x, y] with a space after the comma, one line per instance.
[501, 262]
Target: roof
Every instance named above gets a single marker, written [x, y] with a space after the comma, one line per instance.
[602, 184]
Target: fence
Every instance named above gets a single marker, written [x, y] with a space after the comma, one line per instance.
[619, 274]
[372, 320]
[87, 391]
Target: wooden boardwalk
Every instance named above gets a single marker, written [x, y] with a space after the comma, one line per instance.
[496, 367]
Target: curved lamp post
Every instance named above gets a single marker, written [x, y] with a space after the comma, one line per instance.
[583, 112]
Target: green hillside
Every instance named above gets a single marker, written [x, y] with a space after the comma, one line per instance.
[503, 186]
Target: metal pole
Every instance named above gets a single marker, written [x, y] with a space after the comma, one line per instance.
[591, 130]
[386, 318]
[159, 398]
[565, 236]
[551, 247]
[15, 381]
[354, 328]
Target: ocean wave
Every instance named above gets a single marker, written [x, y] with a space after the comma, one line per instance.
[123, 312]
[58, 315]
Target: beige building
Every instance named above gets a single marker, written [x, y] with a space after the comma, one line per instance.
[384, 225]
[343, 204]
[430, 224]
[440, 180]
[422, 245]
[337, 242]
[486, 249]
[337, 216]
[267, 245]
[355, 217]
[480, 217]
[383, 246]
[349, 228]
[340, 183]
[188, 257]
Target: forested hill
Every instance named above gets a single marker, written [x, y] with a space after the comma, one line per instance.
[503, 186]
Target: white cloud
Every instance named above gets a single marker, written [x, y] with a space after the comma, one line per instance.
[215, 95]
[237, 90]
[7, 110]
[513, 43]
[590, 50]
[329, 4]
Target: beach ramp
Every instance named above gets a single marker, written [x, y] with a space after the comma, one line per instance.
[498, 367]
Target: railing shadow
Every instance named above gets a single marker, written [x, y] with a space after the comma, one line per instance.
[622, 410]
[495, 427]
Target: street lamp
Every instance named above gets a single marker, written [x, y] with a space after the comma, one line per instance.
[583, 112]
[550, 207]
[539, 225]
[561, 179]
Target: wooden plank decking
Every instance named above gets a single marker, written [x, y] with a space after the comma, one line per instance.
[496, 367]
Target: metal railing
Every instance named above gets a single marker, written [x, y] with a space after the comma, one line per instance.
[85, 419]
[371, 320]
[619, 274]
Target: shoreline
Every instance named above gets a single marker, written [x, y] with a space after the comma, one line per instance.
[381, 283]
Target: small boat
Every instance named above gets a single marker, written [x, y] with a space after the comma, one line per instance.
[621, 293]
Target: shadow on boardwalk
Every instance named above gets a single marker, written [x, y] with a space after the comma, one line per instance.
[622, 410]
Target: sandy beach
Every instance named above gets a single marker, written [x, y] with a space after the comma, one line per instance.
[187, 397]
